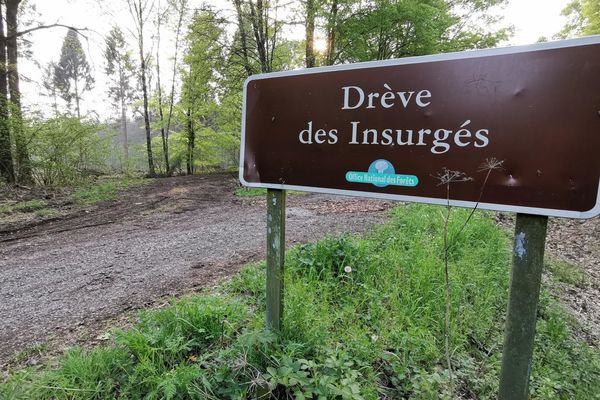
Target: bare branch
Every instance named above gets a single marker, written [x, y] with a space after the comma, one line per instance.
[56, 25]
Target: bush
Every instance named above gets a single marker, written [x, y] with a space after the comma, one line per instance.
[65, 150]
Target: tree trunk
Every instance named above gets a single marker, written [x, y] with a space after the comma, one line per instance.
[243, 36]
[22, 154]
[256, 18]
[77, 109]
[146, 115]
[331, 29]
[6, 161]
[172, 100]
[137, 12]
[124, 131]
[55, 103]
[190, 144]
[161, 116]
[124, 137]
[163, 136]
[310, 33]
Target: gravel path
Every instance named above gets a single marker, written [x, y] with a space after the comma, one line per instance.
[162, 239]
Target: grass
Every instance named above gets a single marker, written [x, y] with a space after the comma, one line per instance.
[35, 350]
[23, 207]
[45, 213]
[29, 206]
[250, 192]
[106, 189]
[364, 319]
[565, 272]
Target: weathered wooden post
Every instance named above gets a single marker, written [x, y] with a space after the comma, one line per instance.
[275, 257]
[525, 279]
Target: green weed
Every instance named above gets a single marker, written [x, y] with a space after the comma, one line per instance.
[106, 189]
[250, 192]
[6, 209]
[23, 207]
[35, 350]
[97, 193]
[364, 319]
[44, 213]
[565, 272]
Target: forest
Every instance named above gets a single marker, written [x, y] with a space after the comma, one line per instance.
[180, 113]
[188, 120]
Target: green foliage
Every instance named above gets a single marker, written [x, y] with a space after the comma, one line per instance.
[23, 207]
[213, 151]
[96, 193]
[29, 206]
[363, 320]
[63, 150]
[250, 192]
[382, 29]
[201, 143]
[584, 18]
[105, 189]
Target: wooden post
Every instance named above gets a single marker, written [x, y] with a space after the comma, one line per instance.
[275, 257]
[525, 279]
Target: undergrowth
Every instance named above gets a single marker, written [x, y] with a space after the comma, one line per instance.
[563, 271]
[105, 189]
[23, 207]
[364, 319]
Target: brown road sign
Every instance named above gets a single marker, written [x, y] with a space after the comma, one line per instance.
[389, 129]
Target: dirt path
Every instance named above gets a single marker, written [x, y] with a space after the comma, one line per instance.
[578, 242]
[161, 239]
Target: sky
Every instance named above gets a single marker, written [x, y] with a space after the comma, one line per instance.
[532, 19]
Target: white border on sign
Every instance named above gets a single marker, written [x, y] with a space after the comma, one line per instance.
[589, 40]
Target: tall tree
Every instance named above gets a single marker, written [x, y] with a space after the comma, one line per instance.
[199, 75]
[380, 29]
[160, 15]
[140, 11]
[24, 172]
[120, 69]
[6, 160]
[261, 16]
[242, 37]
[181, 8]
[72, 75]
[332, 28]
[310, 12]
[11, 121]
